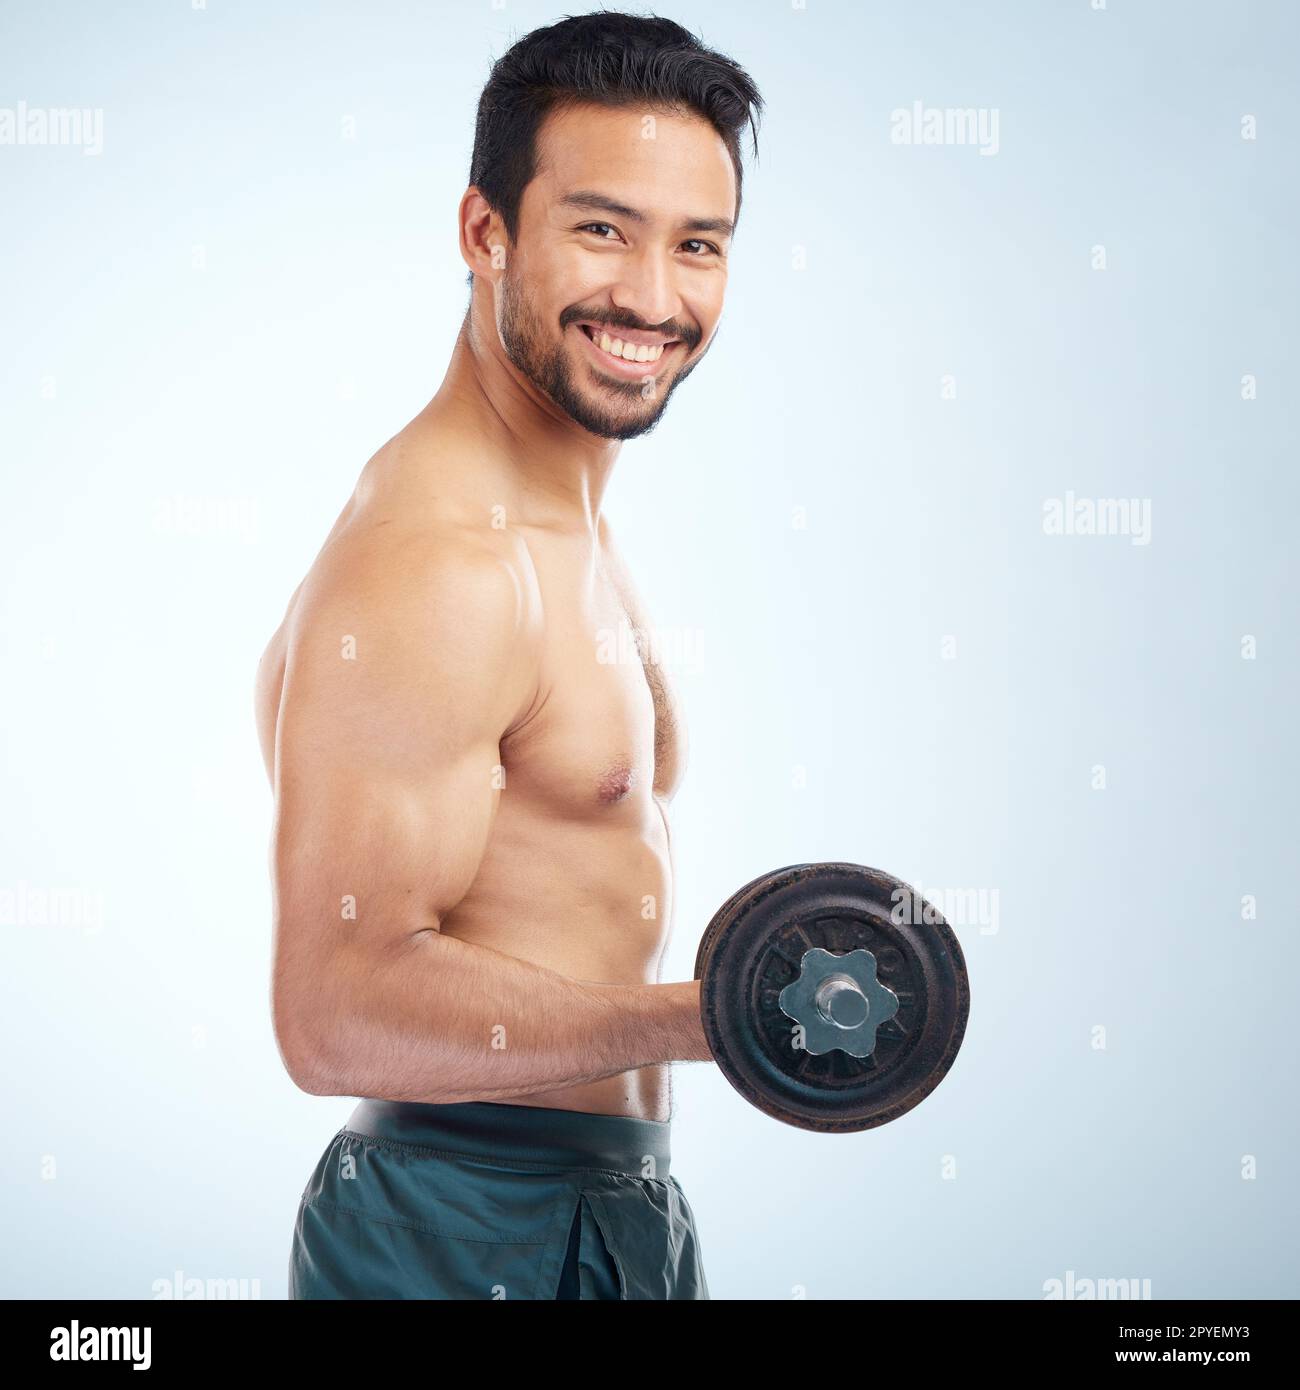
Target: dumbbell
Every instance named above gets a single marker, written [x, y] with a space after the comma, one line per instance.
[832, 996]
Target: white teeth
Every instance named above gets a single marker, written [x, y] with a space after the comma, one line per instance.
[631, 352]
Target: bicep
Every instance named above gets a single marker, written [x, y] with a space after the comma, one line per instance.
[377, 857]
[387, 777]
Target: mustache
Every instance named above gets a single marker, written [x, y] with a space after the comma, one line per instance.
[613, 319]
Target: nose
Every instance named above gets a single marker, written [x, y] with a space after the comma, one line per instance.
[647, 288]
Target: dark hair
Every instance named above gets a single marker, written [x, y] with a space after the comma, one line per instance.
[612, 59]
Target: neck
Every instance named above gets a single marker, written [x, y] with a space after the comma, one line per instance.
[556, 465]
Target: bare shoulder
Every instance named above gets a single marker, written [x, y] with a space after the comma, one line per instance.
[420, 577]
[428, 602]
[401, 616]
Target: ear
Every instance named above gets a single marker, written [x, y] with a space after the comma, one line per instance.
[483, 239]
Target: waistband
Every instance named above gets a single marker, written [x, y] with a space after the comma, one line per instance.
[522, 1133]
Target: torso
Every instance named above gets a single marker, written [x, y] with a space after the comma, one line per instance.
[577, 875]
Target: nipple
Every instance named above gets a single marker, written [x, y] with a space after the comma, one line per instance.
[615, 784]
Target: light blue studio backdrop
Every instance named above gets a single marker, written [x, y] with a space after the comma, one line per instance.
[221, 301]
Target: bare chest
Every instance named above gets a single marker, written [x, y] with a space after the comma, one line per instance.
[607, 734]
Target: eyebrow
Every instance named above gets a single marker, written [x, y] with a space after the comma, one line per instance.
[597, 202]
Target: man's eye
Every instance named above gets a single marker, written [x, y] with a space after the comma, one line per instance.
[707, 247]
[600, 228]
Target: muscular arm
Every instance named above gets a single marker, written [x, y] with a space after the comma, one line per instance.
[405, 670]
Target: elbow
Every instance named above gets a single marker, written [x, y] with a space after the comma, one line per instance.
[305, 1050]
[310, 1076]
[307, 1064]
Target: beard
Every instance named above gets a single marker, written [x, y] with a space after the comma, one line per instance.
[609, 409]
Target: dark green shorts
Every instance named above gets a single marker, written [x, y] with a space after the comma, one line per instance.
[494, 1201]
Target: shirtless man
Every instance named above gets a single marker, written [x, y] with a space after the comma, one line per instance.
[471, 858]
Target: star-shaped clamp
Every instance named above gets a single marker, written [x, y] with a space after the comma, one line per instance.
[839, 1001]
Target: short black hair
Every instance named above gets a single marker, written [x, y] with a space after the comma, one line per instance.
[612, 59]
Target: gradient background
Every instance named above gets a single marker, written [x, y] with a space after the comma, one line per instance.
[211, 325]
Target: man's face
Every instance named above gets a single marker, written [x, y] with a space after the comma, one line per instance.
[614, 287]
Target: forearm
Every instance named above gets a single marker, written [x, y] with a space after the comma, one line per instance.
[440, 1020]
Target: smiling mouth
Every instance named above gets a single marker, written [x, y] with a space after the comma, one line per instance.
[636, 349]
